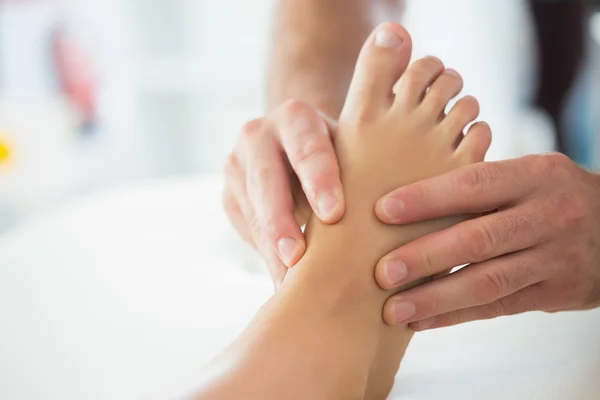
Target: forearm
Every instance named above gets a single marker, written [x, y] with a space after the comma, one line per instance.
[315, 45]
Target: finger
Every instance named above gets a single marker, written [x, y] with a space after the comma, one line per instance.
[305, 138]
[234, 195]
[520, 302]
[472, 241]
[472, 189]
[233, 212]
[270, 194]
[236, 181]
[472, 286]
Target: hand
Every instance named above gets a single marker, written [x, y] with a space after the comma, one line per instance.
[534, 243]
[283, 166]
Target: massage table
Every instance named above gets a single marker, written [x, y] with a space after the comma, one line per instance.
[125, 294]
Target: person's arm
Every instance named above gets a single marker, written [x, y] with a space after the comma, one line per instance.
[315, 45]
[314, 49]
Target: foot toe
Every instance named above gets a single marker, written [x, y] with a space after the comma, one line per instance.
[411, 88]
[476, 143]
[446, 87]
[382, 60]
[465, 111]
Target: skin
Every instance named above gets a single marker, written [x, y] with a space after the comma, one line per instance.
[312, 59]
[539, 250]
[525, 257]
[321, 336]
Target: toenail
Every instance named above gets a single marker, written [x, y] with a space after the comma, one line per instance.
[393, 208]
[395, 271]
[387, 38]
[327, 204]
[452, 72]
[403, 311]
[433, 58]
[287, 249]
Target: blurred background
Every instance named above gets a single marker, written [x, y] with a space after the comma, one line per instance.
[115, 119]
[99, 93]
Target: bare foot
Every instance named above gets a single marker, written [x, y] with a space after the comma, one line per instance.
[392, 131]
[322, 335]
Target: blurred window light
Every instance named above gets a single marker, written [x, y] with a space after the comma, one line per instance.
[595, 27]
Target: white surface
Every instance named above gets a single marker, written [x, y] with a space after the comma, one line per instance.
[126, 294]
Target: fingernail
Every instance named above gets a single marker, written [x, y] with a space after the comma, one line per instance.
[287, 248]
[393, 208]
[327, 205]
[387, 38]
[395, 271]
[403, 311]
[423, 325]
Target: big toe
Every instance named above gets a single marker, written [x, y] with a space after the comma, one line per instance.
[382, 61]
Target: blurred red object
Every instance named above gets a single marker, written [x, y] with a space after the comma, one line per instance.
[74, 70]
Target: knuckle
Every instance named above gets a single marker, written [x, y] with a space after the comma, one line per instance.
[251, 128]
[262, 226]
[570, 210]
[493, 310]
[269, 229]
[452, 319]
[259, 175]
[231, 164]
[499, 308]
[317, 177]
[559, 163]
[556, 165]
[482, 243]
[428, 267]
[492, 284]
[310, 151]
[471, 181]
[538, 165]
[254, 224]
[292, 108]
